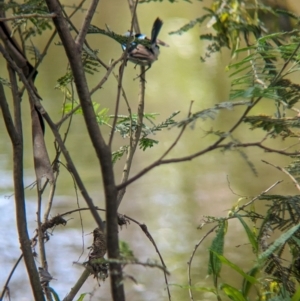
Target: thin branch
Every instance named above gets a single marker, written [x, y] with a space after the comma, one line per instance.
[134, 139]
[102, 151]
[51, 197]
[98, 86]
[67, 116]
[137, 262]
[105, 77]
[259, 144]
[85, 26]
[28, 16]
[214, 146]
[5, 286]
[75, 289]
[144, 229]
[42, 250]
[147, 233]
[134, 20]
[17, 145]
[277, 77]
[187, 158]
[70, 23]
[72, 167]
[192, 257]
[179, 136]
[286, 172]
[7, 116]
[120, 80]
[258, 196]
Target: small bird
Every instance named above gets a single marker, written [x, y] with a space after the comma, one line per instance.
[141, 53]
[140, 49]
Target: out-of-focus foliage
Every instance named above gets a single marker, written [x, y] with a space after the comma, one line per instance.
[31, 24]
[261, 68]
[127, 125]
[235, 22]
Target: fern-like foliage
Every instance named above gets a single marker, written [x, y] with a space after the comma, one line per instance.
[234, 21]
[90, 65]
[275, 126]
[128, 124]
[294, 168]
[34, 25]
[230, 19]
[217, 247]
[118, 154]
[283, 215]
[262, 74]
[263, 70]
[211, 113]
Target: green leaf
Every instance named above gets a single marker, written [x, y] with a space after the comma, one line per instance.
[145, 143]
[251, 236]
[277, 243]
[81, 297]
[296, 296]
[102, 115]
[297, 241]
[125, 251]
[232, 292]
[117, 155]
[217, 248]
[248, 284]
[224, 260]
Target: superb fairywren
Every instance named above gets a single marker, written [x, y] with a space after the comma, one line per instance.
[146, 53]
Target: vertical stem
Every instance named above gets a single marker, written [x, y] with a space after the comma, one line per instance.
[16, 136]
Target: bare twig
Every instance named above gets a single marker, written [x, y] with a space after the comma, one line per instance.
[105, 77]
[42, 250]
[16, 136]
[144, 229]
[179, 136]
[102, 150]
[120, 80]
[214, 146]
[286, 63]
[28, 16]
[259, 144]
[147, 233]
[137, 262]
[5, 286]
[192, 257]
[86, 23]
[258, 196]
[286, 172]
[75, 289]
[134, 137]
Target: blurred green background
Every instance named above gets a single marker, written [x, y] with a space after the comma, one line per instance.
[171, 199]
